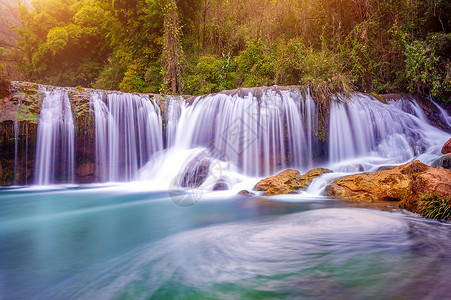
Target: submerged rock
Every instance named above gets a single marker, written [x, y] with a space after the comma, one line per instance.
[288, 181]
[221, 185]
[246, 193]
[447, 147]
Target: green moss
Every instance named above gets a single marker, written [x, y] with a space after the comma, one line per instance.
[29, 107]
[378, 97]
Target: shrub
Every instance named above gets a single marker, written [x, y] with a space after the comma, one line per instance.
[212, 74]
[256, 64]
[422, 70]
[132, 81]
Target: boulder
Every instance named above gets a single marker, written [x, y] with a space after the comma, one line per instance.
[446, 147]
[421, 188]
[382, 185]
[288, 181]
[429, 194]
[196, 172]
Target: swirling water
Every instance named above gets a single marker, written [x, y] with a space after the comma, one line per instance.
[121, 242]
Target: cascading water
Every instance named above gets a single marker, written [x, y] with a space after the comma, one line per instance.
[259, 134]
[16, 145]
[55, 140]
[398, 131]
[243, 133]
[128, 131]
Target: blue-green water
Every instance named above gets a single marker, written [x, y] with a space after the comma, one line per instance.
[116, 243]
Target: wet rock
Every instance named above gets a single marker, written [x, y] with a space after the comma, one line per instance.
[419, 187]
[443, 162]
[85, 169]
[288, 181]
[1, 171]
[379, 186]
[246, 193]
[196, 172]
[385, 168]
[447, 147]
[221, 185]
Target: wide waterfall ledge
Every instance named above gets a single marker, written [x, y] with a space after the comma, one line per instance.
[224, 141]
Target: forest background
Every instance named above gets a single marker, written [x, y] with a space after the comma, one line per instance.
[204, 46]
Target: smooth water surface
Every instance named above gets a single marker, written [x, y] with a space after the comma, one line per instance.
[106, 242]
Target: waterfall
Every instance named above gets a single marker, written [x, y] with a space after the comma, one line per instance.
[258, 132]
[16, 145]
[231, 135]
[128, 130]
[362, 126]
[55, 140]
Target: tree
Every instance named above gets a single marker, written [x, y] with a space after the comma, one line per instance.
[173, 51]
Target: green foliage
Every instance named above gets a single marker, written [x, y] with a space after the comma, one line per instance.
[205, 46]
[256, 64]
[132, 82]
[292, 63]
[57, 39]
[422, 68]
[212, 74]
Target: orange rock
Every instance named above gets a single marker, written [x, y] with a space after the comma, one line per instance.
[447, 147]
[288, 181]
[383, 185]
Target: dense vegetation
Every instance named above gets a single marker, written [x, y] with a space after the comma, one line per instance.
[203, 46]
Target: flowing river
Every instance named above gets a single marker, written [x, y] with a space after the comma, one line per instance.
[123, 242]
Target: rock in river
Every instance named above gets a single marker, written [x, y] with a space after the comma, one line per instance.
[415, 184]
[288, 181]
[447, 147]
